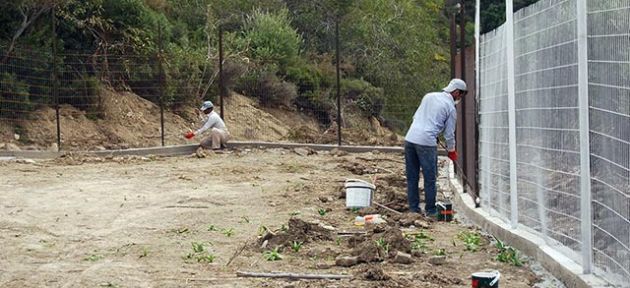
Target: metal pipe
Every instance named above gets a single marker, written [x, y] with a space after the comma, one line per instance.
[55, 80]
[221, 79]
[338, 83]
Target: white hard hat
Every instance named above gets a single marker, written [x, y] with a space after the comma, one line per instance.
[206, 105]
[455, 84]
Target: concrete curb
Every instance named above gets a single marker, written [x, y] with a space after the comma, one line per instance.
[179, 150]
[559, 265]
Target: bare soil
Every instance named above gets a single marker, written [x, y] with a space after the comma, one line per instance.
[80, 221]
[129, 121]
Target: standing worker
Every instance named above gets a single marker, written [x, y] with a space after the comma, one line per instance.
[219, 135]
[435, 115]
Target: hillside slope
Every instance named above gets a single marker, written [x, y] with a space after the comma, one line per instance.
[129, 121]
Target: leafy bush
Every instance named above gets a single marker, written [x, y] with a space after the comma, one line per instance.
[271, 39]
[369, 99]
[14, 96]
[84, 94]
[268, 88]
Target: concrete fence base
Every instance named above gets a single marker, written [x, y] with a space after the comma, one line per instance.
[560, 266]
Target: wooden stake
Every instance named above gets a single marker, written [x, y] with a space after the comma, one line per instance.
[387, 208]
[293, 276]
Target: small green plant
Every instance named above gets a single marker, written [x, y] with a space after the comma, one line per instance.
[244, 219]
[296, 246]
[322, 211]
[229, 232]
[419, 244]
[440, 252]
[145, 252]
[355, 210]
[471, 240]
[284, 228]
[262, 229]
[198, 247]
[212, 228]
[295, 213]
[508, 254]
[272, 255]
[93, 258]
[338, 241]
[208, 258]
[200, 253]
[382, 244]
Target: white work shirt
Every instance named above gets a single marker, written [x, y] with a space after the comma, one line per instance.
[213, 121]
[436, 114]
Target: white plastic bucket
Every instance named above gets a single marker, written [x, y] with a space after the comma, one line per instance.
[359, 193]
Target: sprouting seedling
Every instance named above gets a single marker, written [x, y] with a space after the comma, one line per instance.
[322, 211]
[471, 240]
[93, 258]
[284, 228]
[198, 247]
[440, 252]
[145, 252]
[382, 243]
[262, 229]
[244, 219]
[272, 255]
[508, 254]
[295, 213]
[296, 246]
[211, 228]
[209, 258]
[229, 232]
[355, 210]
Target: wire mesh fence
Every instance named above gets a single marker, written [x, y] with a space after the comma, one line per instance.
[118, 99]
[548, 146]
[609, 112]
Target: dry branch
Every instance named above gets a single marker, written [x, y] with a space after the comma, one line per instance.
[293, 276]
[387, 208]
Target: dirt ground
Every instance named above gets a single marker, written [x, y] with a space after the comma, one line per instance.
[195, 221]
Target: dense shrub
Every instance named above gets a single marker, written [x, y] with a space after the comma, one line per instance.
[271, 39]
[268, 88]
[15, 99]
[368, 98]
[84, 94]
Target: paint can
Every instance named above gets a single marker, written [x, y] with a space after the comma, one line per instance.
[486, 279]
[445, 211]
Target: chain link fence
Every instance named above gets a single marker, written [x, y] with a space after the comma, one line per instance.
[571, 166]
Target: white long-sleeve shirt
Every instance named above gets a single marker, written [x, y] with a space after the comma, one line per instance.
[213, 121]
[436, 114]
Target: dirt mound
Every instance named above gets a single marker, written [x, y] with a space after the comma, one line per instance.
[126, 120]
[298, 231]
[374, 273]
[380, 243]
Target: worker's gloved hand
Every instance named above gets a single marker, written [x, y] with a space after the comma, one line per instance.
[189, 135]
[452, 155]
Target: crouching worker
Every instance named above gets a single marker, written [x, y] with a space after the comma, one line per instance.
[219, 134]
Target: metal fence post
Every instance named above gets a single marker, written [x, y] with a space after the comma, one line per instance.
[477, 94]
[221, 78]
[462, 52]
[338, 82]
[453, 41]
[511, 112]
[585, 168]
[55, 84]
[162, 80]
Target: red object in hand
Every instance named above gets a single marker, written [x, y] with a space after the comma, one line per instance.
[189, 135]
[452, 155]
